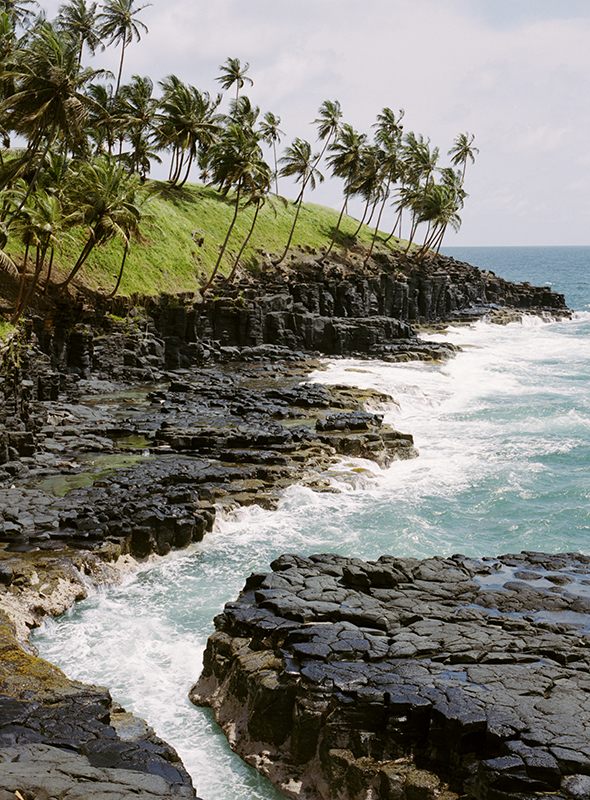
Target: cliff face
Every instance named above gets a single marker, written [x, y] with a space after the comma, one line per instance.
[339, 308]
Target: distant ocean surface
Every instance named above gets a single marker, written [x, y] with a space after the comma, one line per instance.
[503, 432]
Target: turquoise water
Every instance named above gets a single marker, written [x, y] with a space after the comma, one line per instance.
[503, 432]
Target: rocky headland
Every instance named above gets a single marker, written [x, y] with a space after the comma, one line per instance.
[125, 425]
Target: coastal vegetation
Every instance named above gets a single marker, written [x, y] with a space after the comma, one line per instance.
[79, 144]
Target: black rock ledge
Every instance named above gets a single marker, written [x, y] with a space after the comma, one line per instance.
[402, 679]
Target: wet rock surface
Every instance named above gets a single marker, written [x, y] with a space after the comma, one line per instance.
[119, 468]
[444, 678]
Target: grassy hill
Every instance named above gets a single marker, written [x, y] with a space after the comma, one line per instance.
[167, 259]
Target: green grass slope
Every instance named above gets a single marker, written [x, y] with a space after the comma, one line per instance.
[167, 259]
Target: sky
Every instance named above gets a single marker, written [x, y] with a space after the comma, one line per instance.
[516, 73]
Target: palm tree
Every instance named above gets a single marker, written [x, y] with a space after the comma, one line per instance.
[233, 72]
[78, 19]
[105, 198]
[367, 182]
[388, 136]
[345, 160]
[187, 124]
[235, 160]
[420, 163]
[257, 196]
[103, 122]
[328, 122]
[20, 13]
[462, 151]
[48, 102]
[439, 206]
[243, 112]
[119, 24]
[301, 163]
[42, 224]
[136, 111]
[271, 134]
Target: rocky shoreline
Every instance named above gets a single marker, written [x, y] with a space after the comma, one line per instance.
[121, 432]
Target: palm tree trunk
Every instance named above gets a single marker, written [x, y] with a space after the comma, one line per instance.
[123, 260]
[299, 204]
[124, 45]
[412, 232]
[244, 244]
[188, 169]
[440, 239]
[179, 165]
[39, 262]
[173, 161]
[23, 278]
[397, 222]
[49, 270]
[86, 250]
[362, 222]
[329, 250]
[226, 240]
[274, 150]
[378, 223]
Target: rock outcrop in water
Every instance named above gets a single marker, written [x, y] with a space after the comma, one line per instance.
[401, 679]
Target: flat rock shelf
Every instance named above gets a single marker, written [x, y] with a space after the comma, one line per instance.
[401, 679]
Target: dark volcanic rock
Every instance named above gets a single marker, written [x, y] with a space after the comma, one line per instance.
[405, 679]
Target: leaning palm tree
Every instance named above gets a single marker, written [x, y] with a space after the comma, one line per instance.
[119, 24]
[233, 72]
[78, 19]
[103, 122]
[20, 13]
[420, 163]
[300, 163]
[439, 207]
[136, 112]
[105, 199]
[187, 124]
[328, 123]
[462, 151]
[389, 139]
[48, 104]
[257, 195]
[243, 112]
[271, 134]
[345, 160]
[43, 224]
[234, 161]
[366, 183]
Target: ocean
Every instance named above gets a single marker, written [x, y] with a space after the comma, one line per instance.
[503, 432]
